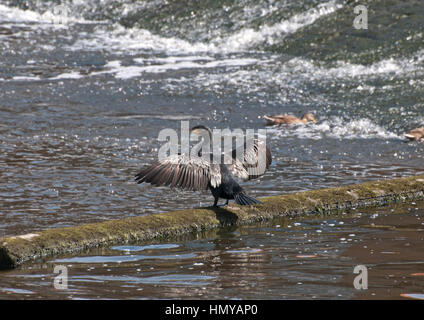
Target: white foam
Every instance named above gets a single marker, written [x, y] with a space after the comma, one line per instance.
[181, 54]
[248, 37]
[58, 15]
[68, 75]
[353, 70]
[294, 74]
[118, 39]
[174, 59]
[126, 72]
[17, 15]
[336, 128]
[360, 128]
[349, 70]
[134, 40]
[26, 78]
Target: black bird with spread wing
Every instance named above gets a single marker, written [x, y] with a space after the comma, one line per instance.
[201, 173]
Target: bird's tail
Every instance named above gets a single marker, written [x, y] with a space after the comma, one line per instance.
[243, 199]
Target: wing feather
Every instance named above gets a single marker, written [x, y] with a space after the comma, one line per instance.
[251, 160]
[181, 171]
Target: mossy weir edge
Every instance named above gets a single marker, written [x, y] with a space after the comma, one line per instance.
[16, 250]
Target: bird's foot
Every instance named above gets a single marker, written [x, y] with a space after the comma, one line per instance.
[220, 205]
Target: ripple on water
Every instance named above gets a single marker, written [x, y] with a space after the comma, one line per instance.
[17, 291]
[148, 247]
[169, 279]
[124, 258]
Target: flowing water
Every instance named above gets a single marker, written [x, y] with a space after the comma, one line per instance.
[86, 86]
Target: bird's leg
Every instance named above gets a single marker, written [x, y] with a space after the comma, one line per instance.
[215, 204]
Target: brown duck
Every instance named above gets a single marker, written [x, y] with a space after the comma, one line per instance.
[415, 134]
[289, 119]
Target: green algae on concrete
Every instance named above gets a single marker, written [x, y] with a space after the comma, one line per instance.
[16, 250]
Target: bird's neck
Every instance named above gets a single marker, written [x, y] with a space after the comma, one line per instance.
[205, 144]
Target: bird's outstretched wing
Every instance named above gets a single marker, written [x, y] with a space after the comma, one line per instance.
[181, 171]
[251, 160]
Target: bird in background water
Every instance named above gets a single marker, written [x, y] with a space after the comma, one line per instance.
[289, 119]
[201, 173]
[416, 134]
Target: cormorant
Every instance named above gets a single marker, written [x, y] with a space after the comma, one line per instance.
[288, 119]
[198, 173]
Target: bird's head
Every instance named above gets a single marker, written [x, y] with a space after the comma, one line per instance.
[309, 117]
[201, 130]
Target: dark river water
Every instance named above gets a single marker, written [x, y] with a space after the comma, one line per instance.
[86, 87]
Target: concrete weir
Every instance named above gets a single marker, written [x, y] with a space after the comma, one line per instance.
[18, 249]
